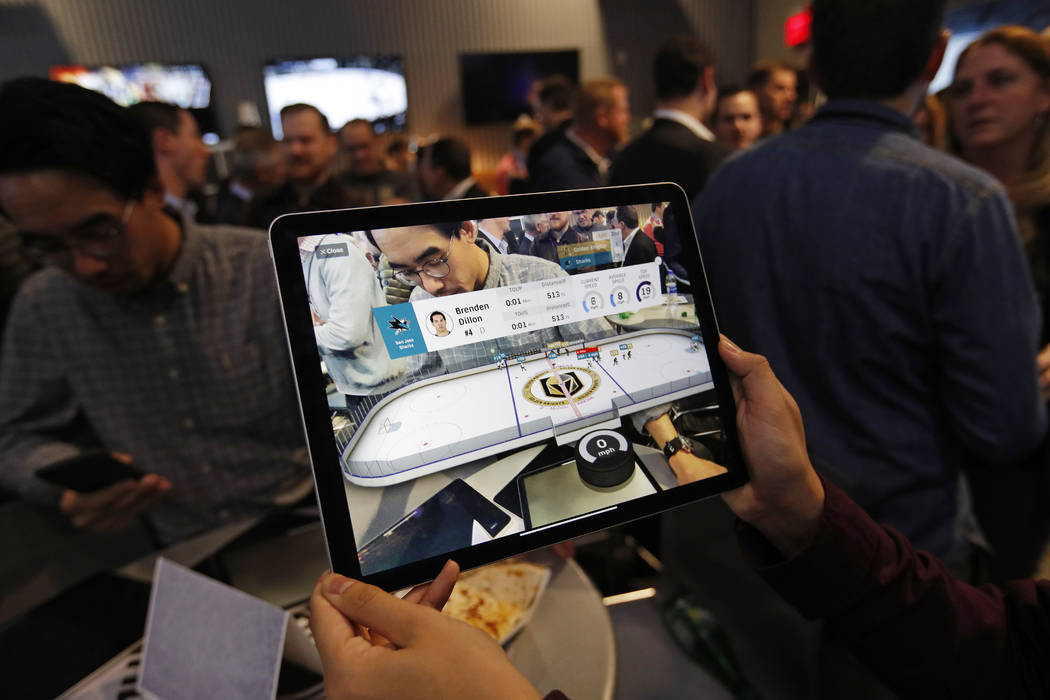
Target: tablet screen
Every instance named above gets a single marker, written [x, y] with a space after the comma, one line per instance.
[464, 360]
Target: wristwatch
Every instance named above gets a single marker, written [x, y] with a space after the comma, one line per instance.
[677, 444]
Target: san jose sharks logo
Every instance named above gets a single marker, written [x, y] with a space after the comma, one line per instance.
[398, 325]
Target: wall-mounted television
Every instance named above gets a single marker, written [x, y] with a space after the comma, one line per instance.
[359, 87]
[496, 86]
[185, 85]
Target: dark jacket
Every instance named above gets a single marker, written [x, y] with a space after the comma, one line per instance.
[565, 166]
[642, 250]
[668, 152]
[329, 195]
[541, 145]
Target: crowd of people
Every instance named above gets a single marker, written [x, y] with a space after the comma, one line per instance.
[899, 290]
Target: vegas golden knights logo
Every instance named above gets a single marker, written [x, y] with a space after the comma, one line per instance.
[555, 388]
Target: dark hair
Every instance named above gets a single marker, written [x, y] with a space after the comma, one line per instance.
[763, 71]
[300, 107]
[451, 154]
[628, 214]
[48, 125]
[157, 115]
[872, 49]
[437, 313]
[678, 66]
[1026, 44]
[448, 229]
[730, 91]
[397, 145]
[556, 93]
[358, 121]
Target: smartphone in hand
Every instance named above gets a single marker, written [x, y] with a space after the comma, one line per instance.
[89, 471]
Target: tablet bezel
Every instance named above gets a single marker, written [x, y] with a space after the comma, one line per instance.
[316, 415]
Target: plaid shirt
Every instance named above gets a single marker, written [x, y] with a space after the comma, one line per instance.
[507, 271]
[190, 377]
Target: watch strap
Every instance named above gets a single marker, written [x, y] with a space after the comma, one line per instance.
[675, 445]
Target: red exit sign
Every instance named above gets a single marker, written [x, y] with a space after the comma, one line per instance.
[797, 28]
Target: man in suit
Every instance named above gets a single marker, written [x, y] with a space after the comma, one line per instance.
[444, 171]
[678, 147]
[580, 157]
[638, 248]
[180, 154]
[553, 109]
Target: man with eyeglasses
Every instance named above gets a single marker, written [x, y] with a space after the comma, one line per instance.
[155, 339]
[445, 259]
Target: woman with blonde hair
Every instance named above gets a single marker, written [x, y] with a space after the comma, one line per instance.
[999, 104]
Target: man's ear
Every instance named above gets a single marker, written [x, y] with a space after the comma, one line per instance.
[468, 231]
[601, 116]
[707, 81]
[153, 193]
[163, 141]
[934, 64]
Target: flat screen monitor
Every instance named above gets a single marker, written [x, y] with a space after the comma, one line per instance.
[185, 85]
[496, 86]
[360, 87]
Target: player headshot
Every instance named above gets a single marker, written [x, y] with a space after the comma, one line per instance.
[440, 324]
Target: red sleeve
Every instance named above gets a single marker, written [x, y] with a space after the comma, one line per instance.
[925, 633]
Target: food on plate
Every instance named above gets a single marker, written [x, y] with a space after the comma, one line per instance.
[498, 599]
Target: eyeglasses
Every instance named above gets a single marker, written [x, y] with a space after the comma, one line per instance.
[101, 240]
[437, 268]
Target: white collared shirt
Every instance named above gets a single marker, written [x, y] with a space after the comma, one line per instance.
[186, 207]
[460, 189]
[627, 244]
[499, 244]
[687, 120]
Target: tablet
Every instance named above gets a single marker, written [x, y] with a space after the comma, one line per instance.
[475, 376]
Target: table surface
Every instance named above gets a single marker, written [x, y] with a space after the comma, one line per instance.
[568, 645]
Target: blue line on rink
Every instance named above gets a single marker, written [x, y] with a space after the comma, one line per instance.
[602, 367]
[513, 403]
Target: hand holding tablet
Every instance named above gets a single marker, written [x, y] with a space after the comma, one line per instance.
[783, 500]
